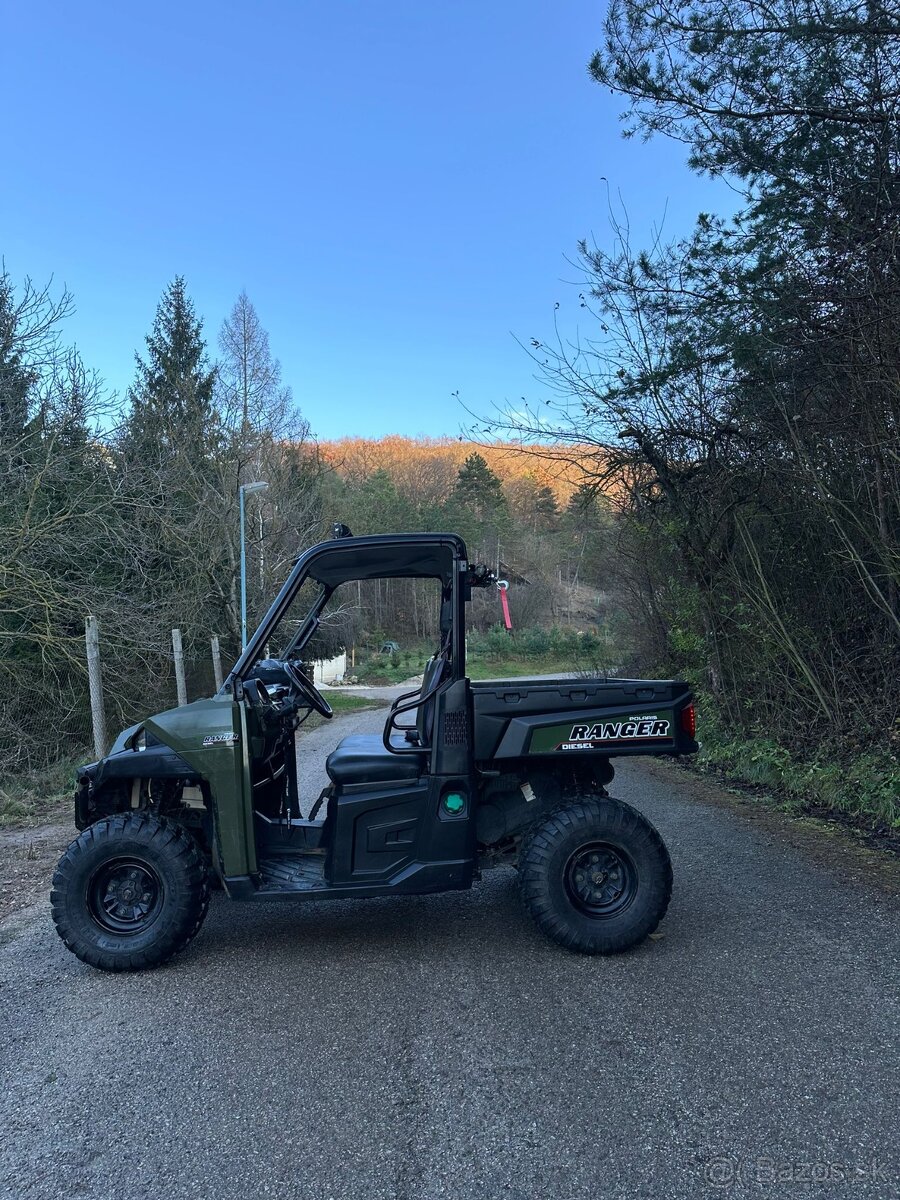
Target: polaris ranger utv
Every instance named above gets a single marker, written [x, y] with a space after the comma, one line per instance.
[465, 775]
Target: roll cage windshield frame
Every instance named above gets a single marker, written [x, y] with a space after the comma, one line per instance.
[439, 556]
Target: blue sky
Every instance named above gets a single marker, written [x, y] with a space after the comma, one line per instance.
[396, 185]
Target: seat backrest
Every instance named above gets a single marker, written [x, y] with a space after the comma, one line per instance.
[431, 677]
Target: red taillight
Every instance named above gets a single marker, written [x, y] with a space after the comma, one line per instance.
[689, 721]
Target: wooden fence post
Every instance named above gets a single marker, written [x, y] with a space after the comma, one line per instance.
[95, 684]
[178, 653]
[217, 662]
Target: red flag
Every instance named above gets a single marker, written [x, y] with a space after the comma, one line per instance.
[504, 604]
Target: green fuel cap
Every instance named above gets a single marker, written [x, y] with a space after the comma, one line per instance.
[454, 803]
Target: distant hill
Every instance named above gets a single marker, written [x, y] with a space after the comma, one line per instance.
[408, 460]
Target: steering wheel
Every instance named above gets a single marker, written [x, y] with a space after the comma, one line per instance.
[314, 698]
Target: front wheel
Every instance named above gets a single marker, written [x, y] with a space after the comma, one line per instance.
[596, 876]
[130, 892]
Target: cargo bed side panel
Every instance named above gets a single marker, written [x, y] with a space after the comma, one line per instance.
[566, 718]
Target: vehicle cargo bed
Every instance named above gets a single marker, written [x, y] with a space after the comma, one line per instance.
[518, 717]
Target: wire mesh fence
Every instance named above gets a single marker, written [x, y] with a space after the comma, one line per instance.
[45, 702]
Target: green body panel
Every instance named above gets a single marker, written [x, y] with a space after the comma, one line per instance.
[211, 735]
[605, 731]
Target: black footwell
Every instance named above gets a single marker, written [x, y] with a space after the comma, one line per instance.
[303, 873]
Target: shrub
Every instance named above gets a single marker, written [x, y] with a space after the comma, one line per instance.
[865, 786]
[534, 643]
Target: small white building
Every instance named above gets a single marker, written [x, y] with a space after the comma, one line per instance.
[326, 669]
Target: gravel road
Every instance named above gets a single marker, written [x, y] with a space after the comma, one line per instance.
[440, 1047]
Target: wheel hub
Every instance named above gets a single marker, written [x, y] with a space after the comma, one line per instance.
[125, 896]
[600, 879]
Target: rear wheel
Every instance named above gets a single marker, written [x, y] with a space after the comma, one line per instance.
[596, 876]
[130, 892]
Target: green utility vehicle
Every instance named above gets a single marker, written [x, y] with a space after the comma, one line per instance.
[465, 775]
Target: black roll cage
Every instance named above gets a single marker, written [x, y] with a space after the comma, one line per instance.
[380, 556]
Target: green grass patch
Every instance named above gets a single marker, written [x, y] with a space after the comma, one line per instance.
[515, 666]
[345, 702]
[375, 673]
[341, 703]
[863, 787]
[374, 669]
[40, 796]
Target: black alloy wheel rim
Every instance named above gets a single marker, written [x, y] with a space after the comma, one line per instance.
[600, 880]
[125, 895]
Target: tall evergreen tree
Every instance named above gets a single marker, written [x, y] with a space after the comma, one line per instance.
[479, 489]
[193, 435]
[172, 396]
[585, 526]
[477, 508]
[545, 509]
[532, 504]
[171, 455]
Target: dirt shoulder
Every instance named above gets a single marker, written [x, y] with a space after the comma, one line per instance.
[28, 858]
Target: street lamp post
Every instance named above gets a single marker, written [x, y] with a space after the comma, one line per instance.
[246, 489]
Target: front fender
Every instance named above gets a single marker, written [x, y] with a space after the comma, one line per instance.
[120, 765]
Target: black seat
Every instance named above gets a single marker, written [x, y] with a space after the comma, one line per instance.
[363, 758]
[420, 733]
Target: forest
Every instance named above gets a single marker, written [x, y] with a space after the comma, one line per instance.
[710, 484]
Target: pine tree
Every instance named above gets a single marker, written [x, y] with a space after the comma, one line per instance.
[479, 489]
[545, 509]
[582, 504]
[585, 527]
[173, 459]
[379, 507]
[533, 504]
[172, 397]
[477, 509]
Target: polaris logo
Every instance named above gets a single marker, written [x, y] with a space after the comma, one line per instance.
[584, 737]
